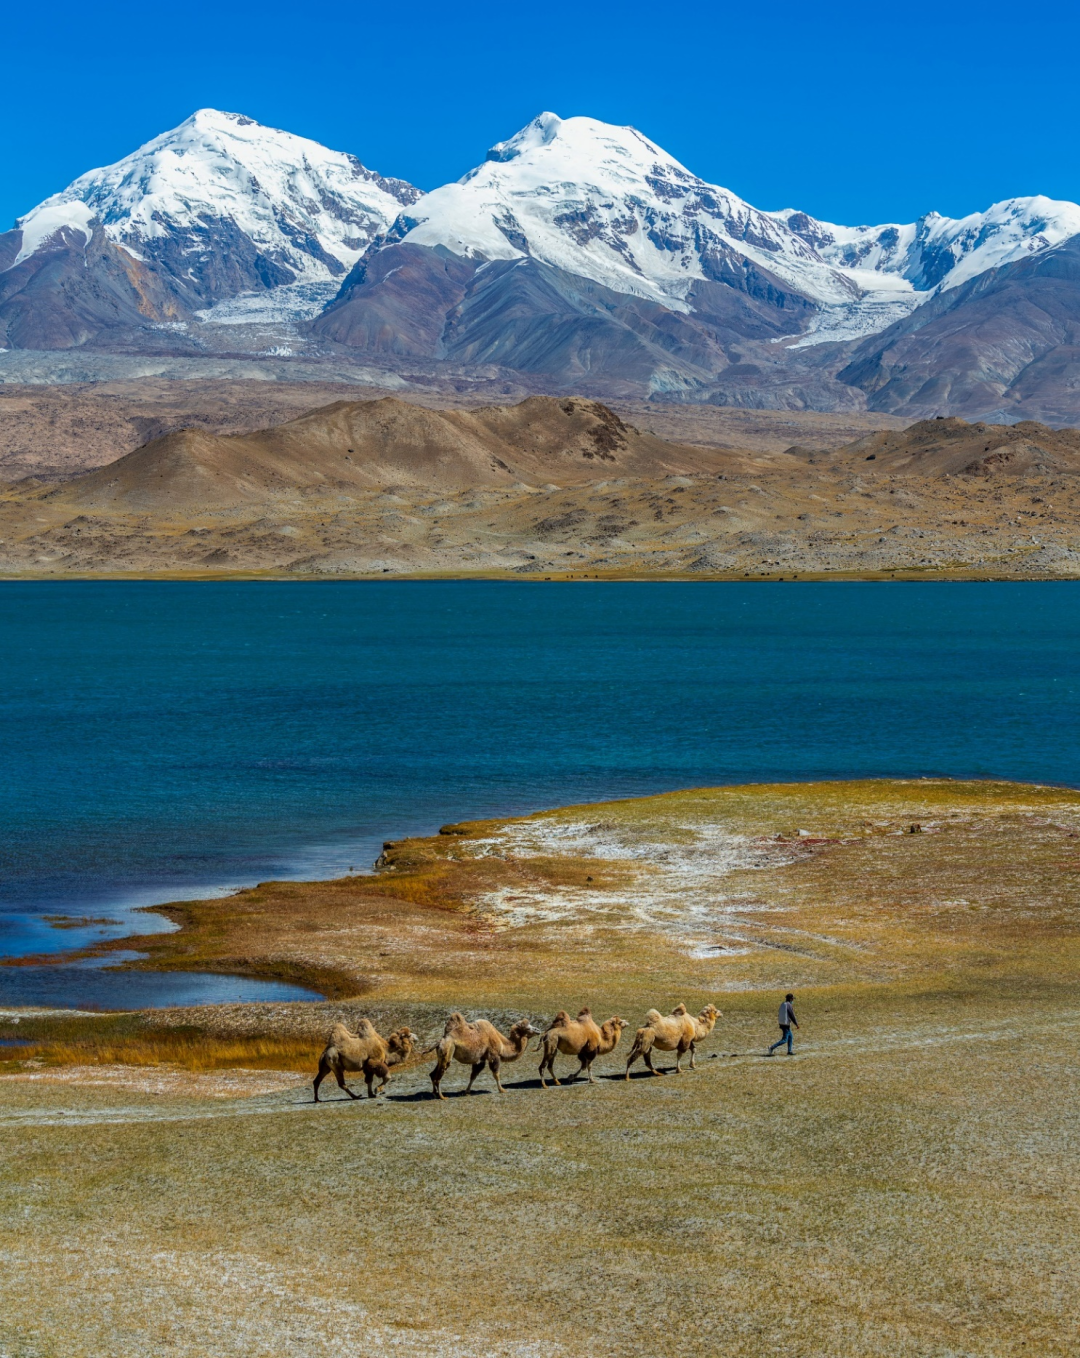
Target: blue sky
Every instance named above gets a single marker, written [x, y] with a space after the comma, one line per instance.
[854, 113]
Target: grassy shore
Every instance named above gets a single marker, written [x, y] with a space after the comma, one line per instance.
[905, 1186]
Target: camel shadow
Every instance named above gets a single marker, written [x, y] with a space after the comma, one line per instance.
[620, 1076]
[426, 1096]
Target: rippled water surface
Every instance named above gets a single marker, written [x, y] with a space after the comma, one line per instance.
[163, 739]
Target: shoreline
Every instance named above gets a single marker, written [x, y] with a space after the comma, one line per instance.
[910, 575]
[452, 892]
[168, 951]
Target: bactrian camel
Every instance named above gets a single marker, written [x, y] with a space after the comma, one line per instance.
[582, 1037]
[400, 1046]
[363, 1051]
[680, 1033]
[477, 1045]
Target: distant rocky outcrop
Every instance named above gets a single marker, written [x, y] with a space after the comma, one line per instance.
[952, 447]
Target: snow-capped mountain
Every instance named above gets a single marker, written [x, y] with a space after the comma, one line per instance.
[578, 252]
[223, 205]
[607, 204]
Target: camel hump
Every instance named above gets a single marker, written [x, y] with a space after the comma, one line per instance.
[585, 1013]
[338, 1034]
[680, 1010]
[653, 1016]
[561, 1019]
[455, 1020]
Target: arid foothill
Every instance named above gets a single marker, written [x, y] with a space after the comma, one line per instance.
[546, 487]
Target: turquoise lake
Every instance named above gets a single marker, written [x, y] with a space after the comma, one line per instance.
[167, 739]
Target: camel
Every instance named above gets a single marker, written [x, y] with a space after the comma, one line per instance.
[581, 1037]
[400, 1045]
[680, 1033]
[478, 1045]
[349, 1051]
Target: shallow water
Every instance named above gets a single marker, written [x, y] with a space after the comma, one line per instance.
[80, 985]
[168, 739]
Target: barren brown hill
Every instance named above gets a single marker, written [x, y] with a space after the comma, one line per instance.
[365, 445]
[951, 447]
[556, 488]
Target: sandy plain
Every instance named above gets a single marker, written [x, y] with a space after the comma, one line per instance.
[905, 1185]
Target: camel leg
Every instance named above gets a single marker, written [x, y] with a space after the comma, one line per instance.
[369, 1080]
[588, 1070]
[324, 1071]
[644, 1050]
[692, 1065]
[494, 1064]
[548, 1063]
[436, 1075]
[340, 1076]
[478, 1066]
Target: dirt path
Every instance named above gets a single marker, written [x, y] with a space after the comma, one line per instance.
[412, 1086]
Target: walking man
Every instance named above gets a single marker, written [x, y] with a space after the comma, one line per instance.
[787, 1022]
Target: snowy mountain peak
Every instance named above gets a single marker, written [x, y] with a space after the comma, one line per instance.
[539, 132]
[285, 208]
[606, 203]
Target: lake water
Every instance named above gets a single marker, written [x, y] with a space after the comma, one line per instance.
[166, 739]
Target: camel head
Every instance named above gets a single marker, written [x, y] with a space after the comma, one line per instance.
[614, 1027]
[519, 1034]
[401, 1044]
[706, 1020]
